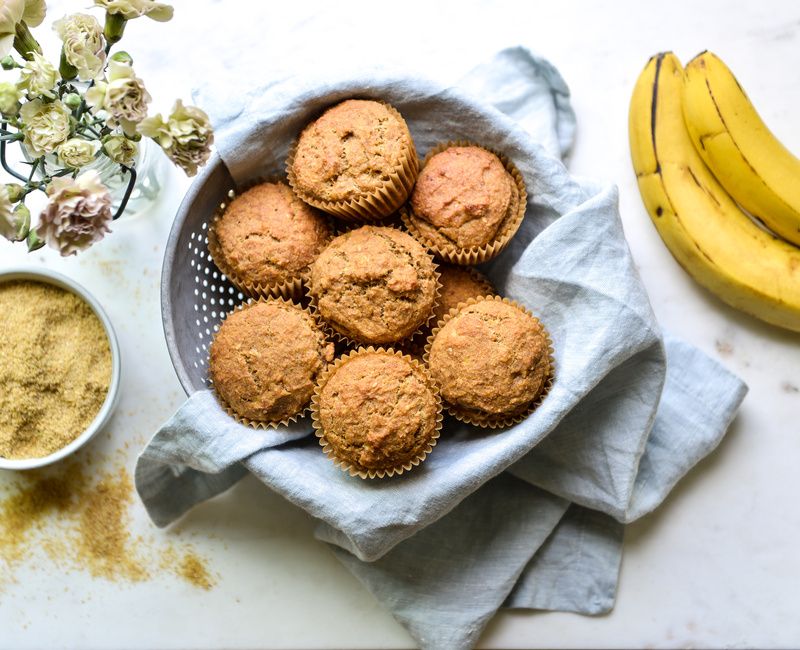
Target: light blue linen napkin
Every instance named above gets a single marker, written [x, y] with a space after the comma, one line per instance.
[530, 517]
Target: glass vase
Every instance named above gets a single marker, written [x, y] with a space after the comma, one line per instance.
[148, 163]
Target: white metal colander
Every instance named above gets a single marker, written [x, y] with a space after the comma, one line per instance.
[195, 294]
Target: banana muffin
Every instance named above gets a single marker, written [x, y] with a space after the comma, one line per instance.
[376, 412]
[357, 160]
[490, 360]
[374, 285]
[457, 284]
[265, 360]
[267, 237]
[465, 199]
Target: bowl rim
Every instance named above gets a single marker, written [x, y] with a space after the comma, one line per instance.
[112, 397]
[215, 165]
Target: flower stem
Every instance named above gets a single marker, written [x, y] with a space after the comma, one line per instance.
[24, 42]
[34, 165]
[86, 127]
[10, 137]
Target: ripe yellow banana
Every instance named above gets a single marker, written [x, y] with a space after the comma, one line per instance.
[747, 159]
[707, 233]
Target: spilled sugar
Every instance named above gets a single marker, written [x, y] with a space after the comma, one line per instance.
[82, 522]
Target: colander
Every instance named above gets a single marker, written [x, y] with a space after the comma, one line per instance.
[195, 295]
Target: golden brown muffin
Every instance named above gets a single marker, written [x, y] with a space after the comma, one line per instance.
[457, 284]
[265, 360]
[491, 360]
[377, 412]
[356, 151]
[464, 197]
[374, 285]
[267, 236]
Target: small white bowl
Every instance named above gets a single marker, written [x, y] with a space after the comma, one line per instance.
[58, 280]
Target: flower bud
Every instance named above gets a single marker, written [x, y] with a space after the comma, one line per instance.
[114, 27]
[8, 63]
[23, 219]
[72, 100]
[16, 224]
[15, 192]
[33, 241]
[10, 97]
[122, 57]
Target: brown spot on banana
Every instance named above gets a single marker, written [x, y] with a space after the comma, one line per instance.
[653, 104]
[704, 254]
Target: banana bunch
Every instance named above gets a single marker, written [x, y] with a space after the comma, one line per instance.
[700, 151]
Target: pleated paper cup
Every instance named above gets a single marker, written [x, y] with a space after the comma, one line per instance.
[266, 424]
[330, 450]
[376, 205]
[291, 288]
[472, 255]
[494, 420]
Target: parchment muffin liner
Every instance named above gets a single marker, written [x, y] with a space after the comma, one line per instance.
[291, 288]
[349, 341]
[501, 420]
[474, 254]
[329, 450]
[416, 343]
[263, 424]
[382, 202]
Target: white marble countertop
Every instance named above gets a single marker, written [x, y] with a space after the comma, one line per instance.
[715, 566]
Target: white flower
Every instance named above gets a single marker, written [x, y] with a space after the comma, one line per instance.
[120, 149]
[186, 137]
[77, 214]
[9, 98]
[130, 9]
[39, 77]
[45, 126]
[14, 11]
[76, 152]
[84, 48]
[123, 96]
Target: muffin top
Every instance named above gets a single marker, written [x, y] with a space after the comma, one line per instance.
[267, 235]
[491, 358]
[377, 411]
[351, 150]
[462, 197]
[265, 360]
[374, 284]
